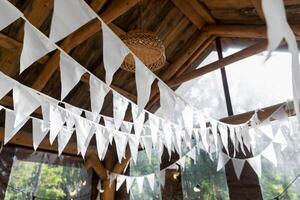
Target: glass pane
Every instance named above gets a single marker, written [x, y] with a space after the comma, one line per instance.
[41, 176]
[255, 84]
[275, 179]
[142, 167]
[206, 92]
[202, 181]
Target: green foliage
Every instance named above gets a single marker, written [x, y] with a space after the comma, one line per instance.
[44, 181]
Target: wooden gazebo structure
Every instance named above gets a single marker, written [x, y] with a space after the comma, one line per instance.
[188, 30]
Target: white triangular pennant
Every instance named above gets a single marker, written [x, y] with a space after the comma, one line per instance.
[109, 123]
[35, 46]
[151, 180]
[63, 138]
[133, 146]
[112, 61]
[192, 154]
[10, 130]
[39, 131]
[255, 163]
[83, 128]
[120, 181]
[224, 136]
[70, 73]
[181, 162]
[56, 121]
[188, 116]
[167, 131]
[68, 16]
[280, 139]
[129, 182]
[25, 103]
[8, 14]
[140, 183]
[162, 177]
[147, 142]
[102, 142]
[6, 84]
[144, 79]
[223, 159]
[121, 143]
[167, 101]
[138, 120]
[126, 127]
[92, 116]
[120, 106]
[98, 91]
[238, 165]
[70, 121]
[269, 154]
[154, 127]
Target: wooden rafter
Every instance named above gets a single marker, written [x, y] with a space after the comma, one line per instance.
[116, 9]
[258, 8]
[202, 11]
[243, 31]
[188, 10]
[252, 50]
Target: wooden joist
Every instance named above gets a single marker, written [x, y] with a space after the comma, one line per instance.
[252, 50]
[243, 31]
[258, 8]
[188, 10]
[116, 9]
[202, 11]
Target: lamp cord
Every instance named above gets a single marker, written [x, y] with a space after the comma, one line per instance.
[280, 196]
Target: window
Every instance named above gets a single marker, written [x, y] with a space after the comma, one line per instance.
[255, 84]
[47, 176]
[206, 92]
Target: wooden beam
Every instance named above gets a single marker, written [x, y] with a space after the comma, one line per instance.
[9, 43]
[189, 12]
[116, 8]
[97, 4]
[258, 8]
[202, 11]
[250, 51]
[243, 31]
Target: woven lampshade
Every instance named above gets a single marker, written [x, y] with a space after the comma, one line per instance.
[146, 46]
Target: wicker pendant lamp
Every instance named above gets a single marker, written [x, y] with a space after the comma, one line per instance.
[146, 46]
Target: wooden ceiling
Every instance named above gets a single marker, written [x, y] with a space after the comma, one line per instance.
[187, 29]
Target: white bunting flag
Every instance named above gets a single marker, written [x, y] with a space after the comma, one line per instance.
[39, 131]
[133, 146]
[102, 142]
[129, 182]
[177, 141]
[167, 131]
[10, 130]
[112, 61]
[154, 127]
[269, 154]
[144, 79]
[167, 101]
[188, 119]
[120, 181]
[280, 139]
[70, 121]
[162, 177]
[92, 116]
[138, 120]
[214, 130]
[120, 105]
[25, 103]
[224, 136]
[255, 163]
[192, 154]
[35, 46]
[6, 84]
[98, 91]
[238, 165]
[246, 138]
[126, 127]
[63, 138]
[222, 161]
[151, 180]
[70, 73]
[68, 16]
[83, 128]
[140, 183]
[56, 121]
[109, 122]
[181, 162]
[112, 177]
[121, 143]
[279, 29]
[147, 142]
[8, 14]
